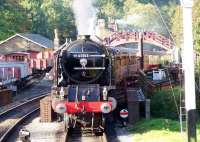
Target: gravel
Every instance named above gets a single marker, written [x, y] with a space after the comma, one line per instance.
[123, 135]
[45, 132]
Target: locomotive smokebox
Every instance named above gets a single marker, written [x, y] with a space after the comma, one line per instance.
[84, 37]
[84, 61]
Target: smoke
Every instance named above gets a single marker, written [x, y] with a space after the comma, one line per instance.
[85, 15]
[142, 21]
[123, 25]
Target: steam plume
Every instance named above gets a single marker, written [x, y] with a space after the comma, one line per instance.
[85, 15]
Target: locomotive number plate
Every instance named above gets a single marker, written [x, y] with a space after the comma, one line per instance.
[81, 55]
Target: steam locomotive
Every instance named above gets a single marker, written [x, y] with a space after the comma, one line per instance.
[90, 82]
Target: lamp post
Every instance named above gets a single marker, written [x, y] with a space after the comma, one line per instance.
[188, 65]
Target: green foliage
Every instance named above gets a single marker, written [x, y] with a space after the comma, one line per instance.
[155, 124]
[110, 8]
[159, 130]
[163, 103]
[11, 20]
[177, 26]
[144, 15]
[36, 16]
[196, 24]
[46, 15]
[141, 16]
[43, 16]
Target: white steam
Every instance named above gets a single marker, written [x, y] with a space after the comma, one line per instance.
[85, 15]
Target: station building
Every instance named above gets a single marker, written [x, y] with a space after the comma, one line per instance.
[33, 49]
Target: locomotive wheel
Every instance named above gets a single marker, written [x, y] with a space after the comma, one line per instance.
[99, 131]
[99, 134]
[118, 94]
[103, 121]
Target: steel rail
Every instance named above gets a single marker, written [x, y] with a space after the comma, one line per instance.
[102, 138]
[16, 125]
[8, 129]
[44, 94]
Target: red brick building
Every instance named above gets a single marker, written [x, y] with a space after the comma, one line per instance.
[33, 49]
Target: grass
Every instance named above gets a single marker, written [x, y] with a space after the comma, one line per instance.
[159, 130]
[165, 126]
[163, 103]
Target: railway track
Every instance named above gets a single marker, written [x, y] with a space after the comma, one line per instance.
[78, 135]
[13, 117]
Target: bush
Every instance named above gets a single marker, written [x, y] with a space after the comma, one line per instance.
[163, 103]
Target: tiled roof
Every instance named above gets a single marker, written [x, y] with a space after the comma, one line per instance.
[45, 42]
[41, 42]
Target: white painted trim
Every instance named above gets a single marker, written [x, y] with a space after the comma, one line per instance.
[25, 53]
[8, 39]
[31, 40]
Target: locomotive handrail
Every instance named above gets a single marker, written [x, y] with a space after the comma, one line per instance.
[103, 55]
[88, 55]
[89, 68]
[83, 52]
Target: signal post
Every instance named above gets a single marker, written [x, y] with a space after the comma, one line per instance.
[188, 65]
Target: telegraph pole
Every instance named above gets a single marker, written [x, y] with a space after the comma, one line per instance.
[188, 64]
[141, 50]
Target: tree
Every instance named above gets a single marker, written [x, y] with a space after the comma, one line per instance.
[196, 24]
[46, 15]
[143, 16]
[177, 26]
[36, 16]
[12, 19]
[60, 16]
[110, 8]
[43, 16]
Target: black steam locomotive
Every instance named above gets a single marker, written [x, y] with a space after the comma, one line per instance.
[92, 81]
[83, 82]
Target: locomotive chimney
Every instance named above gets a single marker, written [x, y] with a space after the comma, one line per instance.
[87, 37]
[56, 39]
